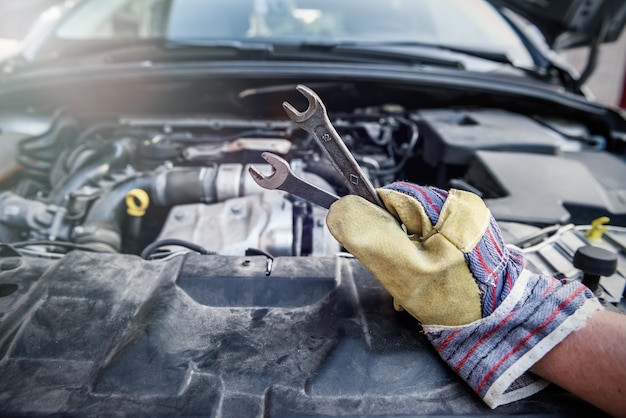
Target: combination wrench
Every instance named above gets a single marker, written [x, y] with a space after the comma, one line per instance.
[315, 121]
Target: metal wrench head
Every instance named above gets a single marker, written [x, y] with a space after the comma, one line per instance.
[284, 179]
[316, 106]
[316, 122]
[277, 178]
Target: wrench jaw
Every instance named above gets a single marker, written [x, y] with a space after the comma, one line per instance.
[315, 105]
[257, 176]
[277, 178]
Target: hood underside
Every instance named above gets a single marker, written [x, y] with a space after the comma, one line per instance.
[569, 24]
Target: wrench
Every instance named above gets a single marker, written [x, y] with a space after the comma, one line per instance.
[315, 121]
[283, 178]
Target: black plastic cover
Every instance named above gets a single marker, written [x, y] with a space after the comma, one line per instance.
[453, 136]
[547, 190]
[96, 334]
[595, 260]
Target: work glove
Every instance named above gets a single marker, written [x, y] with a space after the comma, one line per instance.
[442, 257]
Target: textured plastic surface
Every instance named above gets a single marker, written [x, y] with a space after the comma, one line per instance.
[454, 136]
[544, 189]
[214, 336]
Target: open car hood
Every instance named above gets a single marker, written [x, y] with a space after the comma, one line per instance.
[572, 23]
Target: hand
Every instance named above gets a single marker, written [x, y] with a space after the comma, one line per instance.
[439, 254]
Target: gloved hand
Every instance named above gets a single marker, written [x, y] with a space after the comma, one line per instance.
[442, 257]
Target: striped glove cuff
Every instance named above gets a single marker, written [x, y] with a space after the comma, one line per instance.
[493, 354]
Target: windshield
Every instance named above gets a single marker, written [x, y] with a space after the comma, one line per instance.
[458, 23]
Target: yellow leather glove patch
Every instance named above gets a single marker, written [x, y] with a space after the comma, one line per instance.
[423, 268]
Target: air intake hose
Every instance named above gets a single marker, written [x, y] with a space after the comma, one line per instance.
[168, 187]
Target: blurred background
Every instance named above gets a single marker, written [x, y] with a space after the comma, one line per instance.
[608, 81]
[16, 18]
[607, 84]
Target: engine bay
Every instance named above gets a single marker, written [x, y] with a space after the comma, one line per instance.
[102, 294]
[154, 186]
[121, 185]
[78, 186]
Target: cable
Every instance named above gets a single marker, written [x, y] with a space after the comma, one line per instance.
[63, 244]
[408, 153]
[150, 249]
[22, 248]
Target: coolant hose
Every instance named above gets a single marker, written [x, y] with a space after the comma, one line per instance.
[112, 155]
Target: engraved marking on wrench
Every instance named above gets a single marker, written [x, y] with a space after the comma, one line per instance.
[315, 121]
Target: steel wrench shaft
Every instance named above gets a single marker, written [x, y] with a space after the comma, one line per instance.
[307, 191]
[315, 121]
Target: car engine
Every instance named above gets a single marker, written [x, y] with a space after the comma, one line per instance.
[152, 185]
[189, 179]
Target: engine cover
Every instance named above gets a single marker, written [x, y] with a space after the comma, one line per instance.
[215, 336]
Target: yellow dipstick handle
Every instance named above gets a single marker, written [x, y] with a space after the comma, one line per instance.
[598, 228]
[137, 201]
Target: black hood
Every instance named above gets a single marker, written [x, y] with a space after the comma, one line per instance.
[568, 24]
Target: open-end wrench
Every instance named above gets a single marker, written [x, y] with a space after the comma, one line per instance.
[315, 121]
[284, 179]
